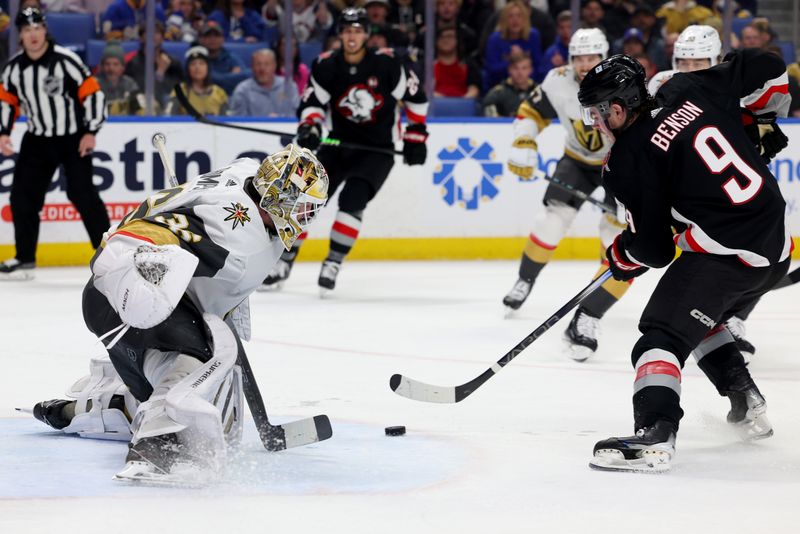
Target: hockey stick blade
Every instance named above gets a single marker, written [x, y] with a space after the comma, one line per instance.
[296, 433]
[420, 391]
[285, 137]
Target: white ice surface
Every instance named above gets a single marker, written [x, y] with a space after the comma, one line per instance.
[510, 458]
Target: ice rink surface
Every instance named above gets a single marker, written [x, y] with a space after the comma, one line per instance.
[511, 458]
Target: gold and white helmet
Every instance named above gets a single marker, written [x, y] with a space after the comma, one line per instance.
[293, 186]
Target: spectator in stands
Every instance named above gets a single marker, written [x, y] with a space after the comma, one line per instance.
[669, 46]
[122, 18]
[184, 21]
[205, 96]
[168, 71]
[540, 20]
[632, 43]
[265, 94]
[645, 20]
[407, 16]
[679, 14]
[239, 21]
[557, 54]
[120, 90]
[378, 17]
[311, 19]
[452, 76]
[756, 34]
[592, 14]
[504, 99]
[514, 35]
[332, 42]
[617, 17]
[227, 70]
[446, 14]
[300, 71]
[644, 60]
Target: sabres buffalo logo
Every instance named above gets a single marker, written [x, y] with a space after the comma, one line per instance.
[359, 103]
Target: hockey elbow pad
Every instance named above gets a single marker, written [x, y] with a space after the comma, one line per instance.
[143, 284]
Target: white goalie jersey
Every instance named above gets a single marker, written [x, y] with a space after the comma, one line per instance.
[557, 97]
[204, 238]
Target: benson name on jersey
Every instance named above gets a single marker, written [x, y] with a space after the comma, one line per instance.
[674, 123]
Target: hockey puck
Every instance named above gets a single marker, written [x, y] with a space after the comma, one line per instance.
[395, 430]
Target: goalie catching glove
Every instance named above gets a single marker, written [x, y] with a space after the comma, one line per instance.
[143, 283]
[414, 150]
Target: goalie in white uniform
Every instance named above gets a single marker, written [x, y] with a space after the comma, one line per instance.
[580, 168]
[162, 282]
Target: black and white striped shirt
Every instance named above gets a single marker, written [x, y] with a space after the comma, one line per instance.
[57, 93]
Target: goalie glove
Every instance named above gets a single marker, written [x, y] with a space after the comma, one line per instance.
[765, 134]
[143, 283]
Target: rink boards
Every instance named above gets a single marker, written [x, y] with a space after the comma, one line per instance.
[462, 204]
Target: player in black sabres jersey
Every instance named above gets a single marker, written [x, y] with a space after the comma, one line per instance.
[683, 160]
[360, 88]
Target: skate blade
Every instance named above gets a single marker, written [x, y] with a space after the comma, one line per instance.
[324, 292]
[17, 276]
[652, 462]
[143, 473]
[575, 352]
[28, 411]
[509, 312]
[754, 429]
[271, 287]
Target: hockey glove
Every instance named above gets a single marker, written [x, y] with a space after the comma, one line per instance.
[765, 134]
[622, 268]
[414, 149]
[309, 135]
[522, 161]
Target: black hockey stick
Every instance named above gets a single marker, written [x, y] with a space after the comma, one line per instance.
[576, 192]
[274, 437]
[285, 137]
[420, 391]
[791, 278]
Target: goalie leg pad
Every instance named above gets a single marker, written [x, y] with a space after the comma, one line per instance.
[199, 402]
[94, 416]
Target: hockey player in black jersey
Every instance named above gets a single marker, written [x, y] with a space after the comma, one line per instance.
[684, 161]
[360, 88]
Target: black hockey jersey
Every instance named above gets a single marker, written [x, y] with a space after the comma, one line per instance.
[688, 164]
[362, 99]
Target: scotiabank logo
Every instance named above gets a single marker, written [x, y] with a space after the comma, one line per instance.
[68, 213]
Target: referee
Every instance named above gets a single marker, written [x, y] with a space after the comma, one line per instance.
[65, 108]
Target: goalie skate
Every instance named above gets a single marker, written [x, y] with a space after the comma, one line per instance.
[275, 279]
[162, 461]
[650, 451]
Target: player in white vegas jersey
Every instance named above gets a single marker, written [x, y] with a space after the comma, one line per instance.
[162, 283]
[579, 168]
[697, 48]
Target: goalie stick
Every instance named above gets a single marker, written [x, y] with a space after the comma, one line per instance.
[420, 391]
[286, 137]
[274, 437]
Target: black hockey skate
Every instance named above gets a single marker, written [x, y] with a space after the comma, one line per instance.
[12, 269]
[276, 277]
[748, 411]
[163, 460]
[735, 326]
[516, 297]
[650, 451]
[56, 413]
[581, 335]
[327, 276]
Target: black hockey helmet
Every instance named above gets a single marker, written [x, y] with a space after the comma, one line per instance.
[29, 17]
[619, 79]
[352, 16]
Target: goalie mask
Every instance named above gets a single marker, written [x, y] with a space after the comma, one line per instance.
[293, 186]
